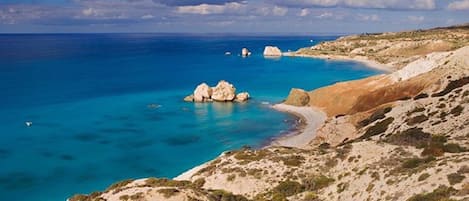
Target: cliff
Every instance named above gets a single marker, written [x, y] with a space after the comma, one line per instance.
[399, 136]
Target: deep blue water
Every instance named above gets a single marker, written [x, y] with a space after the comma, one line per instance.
[88, 96]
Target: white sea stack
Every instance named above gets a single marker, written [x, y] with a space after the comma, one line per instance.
[202, 93]
[245, 52]
[224, 91]
[272, 51]
[242, 97]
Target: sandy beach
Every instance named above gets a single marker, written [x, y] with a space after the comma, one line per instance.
[311, 119]
[363, 60]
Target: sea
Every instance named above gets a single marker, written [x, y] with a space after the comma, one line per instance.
[108, 107]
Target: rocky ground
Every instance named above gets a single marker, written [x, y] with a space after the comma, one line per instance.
[400, 136]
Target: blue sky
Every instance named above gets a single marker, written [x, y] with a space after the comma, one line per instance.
[232, 16]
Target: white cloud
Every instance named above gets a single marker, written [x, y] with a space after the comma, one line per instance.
[373, 4]
[392, 4]
[304, 12]
[373, 17]
[416, 19]
[325, 15]
[459, 5]
[279, 11]
[148, 16]
[206, 9]
[89, 12]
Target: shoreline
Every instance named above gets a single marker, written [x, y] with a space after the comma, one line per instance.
[363, 60]
[310, 120]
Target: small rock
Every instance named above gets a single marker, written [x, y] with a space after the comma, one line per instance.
[189, 98]
[242, 97]
[245, 52]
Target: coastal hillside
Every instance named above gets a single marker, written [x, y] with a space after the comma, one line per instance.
[397, 136]
[393, 49]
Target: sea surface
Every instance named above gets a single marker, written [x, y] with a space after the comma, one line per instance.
[107, 107]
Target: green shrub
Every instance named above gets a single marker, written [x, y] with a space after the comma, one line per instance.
[410, 137]
[289, 188]
[456, 111]
[451, 86]
[377, 115]
[119, 184]
[317, 182]
[220, 195]
[295, 160]
[155, 182]
[442, 193]
[168, 192]
[378, 128]
[199, 183]
[416, 120]
[420, 96]
[416, 110]
[455, 178]
[251, 155]
[423, 176]
[416, 162]
[231, 177]
[453, 148]
[311, 196]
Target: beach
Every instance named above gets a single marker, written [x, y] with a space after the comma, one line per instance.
[360, 59]
[310, 120]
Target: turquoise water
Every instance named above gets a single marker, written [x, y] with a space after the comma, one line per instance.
[88, 97]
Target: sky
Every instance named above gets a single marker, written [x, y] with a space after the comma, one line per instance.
[228, 16]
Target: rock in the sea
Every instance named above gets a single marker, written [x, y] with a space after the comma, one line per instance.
[189, 98]
[245, 52]
[202, 93]
[242, 97]
[224, 91]
[272, 51]
[297, 97]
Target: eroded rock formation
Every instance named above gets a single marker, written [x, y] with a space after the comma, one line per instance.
[222, 92]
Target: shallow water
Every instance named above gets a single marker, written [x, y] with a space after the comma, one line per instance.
[90, 100]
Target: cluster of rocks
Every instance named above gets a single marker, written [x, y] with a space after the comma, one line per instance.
[223, 92]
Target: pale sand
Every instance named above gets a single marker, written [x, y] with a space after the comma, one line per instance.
[312, 119]
[367, 62]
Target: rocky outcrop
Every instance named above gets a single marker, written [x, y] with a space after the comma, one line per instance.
[202, 93]
[241, 97]
[272, 51]
[245, 52]
[222, 92]
[297, 97]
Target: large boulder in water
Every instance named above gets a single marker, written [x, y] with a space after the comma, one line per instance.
[272, 51]
[297, 97]
[224, 91]
[202, 93]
